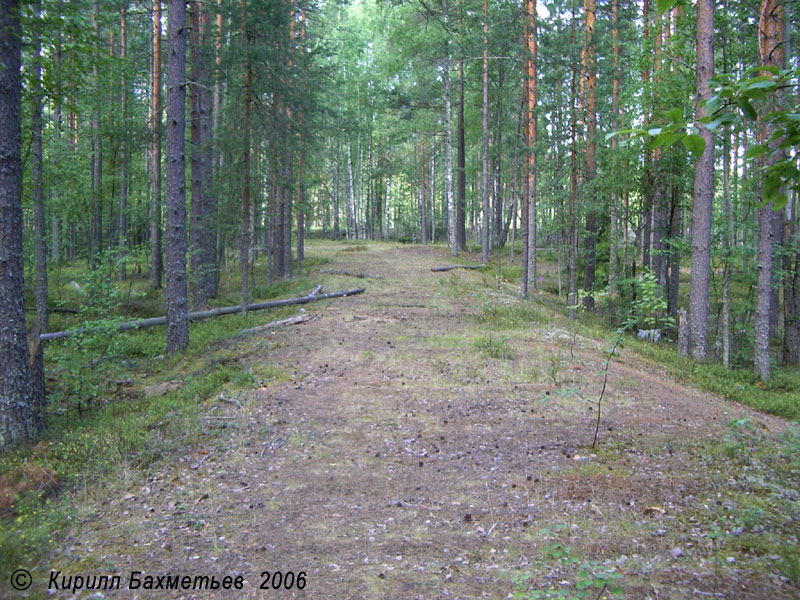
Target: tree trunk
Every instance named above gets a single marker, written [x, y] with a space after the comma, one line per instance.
[590, 70]
[217, 109]
[97, 160]
[388, 197]
[123, 152]
[156, 264]
[572, 300]
[771, 28]
[703, 190]
[351, 196]
[674, 253]
[791, 286]
[728, 271]
[423, 175]
[177, 301]
[448, 168]
[461, 232]
[530, 139]
[40, 226]
[613, 234]
[433, 201]
[244, 248]
[485, 179]
[337, 231]
[17, 418]
[287, 178]
[499, 240]
[202, 239]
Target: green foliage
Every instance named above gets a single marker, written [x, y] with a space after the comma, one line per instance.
[779, 396]
[650, 307]
[591, 578]
[494, 348]
[756, 97]
[86, 363]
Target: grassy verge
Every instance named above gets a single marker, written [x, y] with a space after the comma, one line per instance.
[779, 396]
[118, 406]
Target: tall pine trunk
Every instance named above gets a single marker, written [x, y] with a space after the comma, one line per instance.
[531, 81]
[17, 417]
[486, 223]
[771, 28]
[703, 190]
[177, 300]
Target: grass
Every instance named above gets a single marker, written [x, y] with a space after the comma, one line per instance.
[494, 348]
[779, 396]
[117, 435]
[514, 316]
[102, 428]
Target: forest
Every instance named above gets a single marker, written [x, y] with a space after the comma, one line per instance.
[569, 228]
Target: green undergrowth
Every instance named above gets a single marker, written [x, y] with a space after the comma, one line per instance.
[95, 446]
[757, 478]
[107, 415]
[779, 396]
[494, 347]
[515, 316]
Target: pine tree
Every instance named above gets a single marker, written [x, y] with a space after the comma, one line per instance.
[17, 419]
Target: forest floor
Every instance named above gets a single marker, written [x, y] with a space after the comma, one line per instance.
[432, 438]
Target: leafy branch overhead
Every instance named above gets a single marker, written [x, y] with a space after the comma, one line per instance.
[744, 102]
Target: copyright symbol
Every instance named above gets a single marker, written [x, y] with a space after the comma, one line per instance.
[21, 579]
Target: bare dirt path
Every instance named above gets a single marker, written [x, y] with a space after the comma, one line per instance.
[401, 456]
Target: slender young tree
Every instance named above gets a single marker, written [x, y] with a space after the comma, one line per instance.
[40, 225]
[572, 300]
[613, 234]
[246, 221]
[461, 188]
[17, 418]
[156, 262]
[122, 240]
[448, 169]
[531, 81]
[485, 180]
[388, 196]
[177, 300]
[590, 74]
[97, 156]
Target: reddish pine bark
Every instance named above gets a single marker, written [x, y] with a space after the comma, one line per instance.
[703, 191]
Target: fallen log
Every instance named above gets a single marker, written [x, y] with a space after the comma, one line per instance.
[359, 275]
[56, 309]
[271, 324]
[207, 314]
[451, 267]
